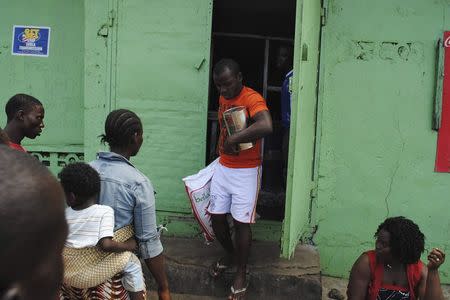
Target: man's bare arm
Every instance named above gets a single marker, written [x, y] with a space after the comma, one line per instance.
[261, 127]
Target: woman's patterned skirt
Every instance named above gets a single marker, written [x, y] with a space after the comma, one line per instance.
[109, 290]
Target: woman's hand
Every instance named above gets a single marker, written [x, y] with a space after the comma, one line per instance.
[435, 259]
[430, 284]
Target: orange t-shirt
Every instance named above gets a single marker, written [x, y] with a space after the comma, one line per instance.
[254, 104]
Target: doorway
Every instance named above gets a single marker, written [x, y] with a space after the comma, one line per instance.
[259, 35]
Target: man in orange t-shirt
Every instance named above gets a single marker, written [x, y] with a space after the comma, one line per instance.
[236, 181]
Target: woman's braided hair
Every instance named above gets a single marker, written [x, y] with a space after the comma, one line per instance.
[407, 242]
[120, 126]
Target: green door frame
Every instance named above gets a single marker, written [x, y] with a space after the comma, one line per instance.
[300, 178]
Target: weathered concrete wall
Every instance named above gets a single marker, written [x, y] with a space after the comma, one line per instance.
[377, 148]
[56, 80]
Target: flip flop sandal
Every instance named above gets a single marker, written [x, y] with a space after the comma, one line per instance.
[217, 269]
[238, 294]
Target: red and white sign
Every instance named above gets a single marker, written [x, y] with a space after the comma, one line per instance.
[443, 144]
[447, 42]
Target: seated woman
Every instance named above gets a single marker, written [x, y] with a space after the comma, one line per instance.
[394, 270]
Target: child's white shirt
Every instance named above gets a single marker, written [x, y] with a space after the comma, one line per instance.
[89, 225]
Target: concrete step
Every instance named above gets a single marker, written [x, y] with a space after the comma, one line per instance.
[271, 277]
[152, 295]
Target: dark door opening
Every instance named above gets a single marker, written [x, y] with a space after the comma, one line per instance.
[259, 35]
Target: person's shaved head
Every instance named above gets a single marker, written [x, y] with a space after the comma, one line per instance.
[32, 228]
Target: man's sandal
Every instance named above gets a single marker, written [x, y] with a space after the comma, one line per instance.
[217, 269]
[238, 294]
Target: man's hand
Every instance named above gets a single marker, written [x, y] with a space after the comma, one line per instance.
[435, 259]
[230, 147]
[261, 127]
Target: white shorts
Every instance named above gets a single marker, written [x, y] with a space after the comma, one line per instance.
[133, 279]
[235, 191]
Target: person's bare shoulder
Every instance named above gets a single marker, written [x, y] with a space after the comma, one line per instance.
[362, 264]
[364, 259]
[359, 278]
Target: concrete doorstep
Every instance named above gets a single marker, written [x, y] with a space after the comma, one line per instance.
[271, 277]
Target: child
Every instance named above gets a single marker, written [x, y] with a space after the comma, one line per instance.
[92, 225]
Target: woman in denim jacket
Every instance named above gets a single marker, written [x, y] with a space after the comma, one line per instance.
[129, 192]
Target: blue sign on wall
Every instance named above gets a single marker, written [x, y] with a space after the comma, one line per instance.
[30, 40]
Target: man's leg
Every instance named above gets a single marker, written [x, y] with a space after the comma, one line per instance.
[218, 208]
[246, 183]
[222, 232]
[156, 267]
[243, 245]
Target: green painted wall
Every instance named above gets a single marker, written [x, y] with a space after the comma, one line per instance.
[57, 80]
[377, 148]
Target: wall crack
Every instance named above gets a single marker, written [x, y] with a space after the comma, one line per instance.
[397, 165]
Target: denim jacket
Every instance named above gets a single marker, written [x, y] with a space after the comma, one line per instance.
[131, 195]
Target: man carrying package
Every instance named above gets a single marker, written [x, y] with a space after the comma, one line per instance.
[236, 180]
